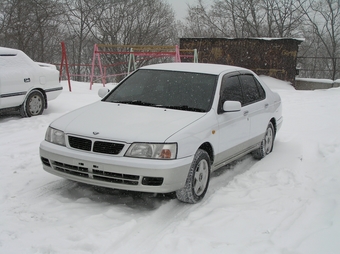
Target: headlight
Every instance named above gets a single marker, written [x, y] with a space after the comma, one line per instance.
[55, 136]
[152, 151]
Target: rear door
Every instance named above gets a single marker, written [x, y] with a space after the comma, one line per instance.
[15, 80]
[255, 106]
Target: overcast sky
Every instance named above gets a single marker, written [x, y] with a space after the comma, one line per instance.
[180, 7]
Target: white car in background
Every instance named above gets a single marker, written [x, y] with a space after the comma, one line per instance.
[26, 85]
[165, 128]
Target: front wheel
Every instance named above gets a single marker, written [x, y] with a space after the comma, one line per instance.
[33, 105]
[198, 179]
[267, 143]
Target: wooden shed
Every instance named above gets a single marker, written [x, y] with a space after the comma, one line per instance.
[274, 57]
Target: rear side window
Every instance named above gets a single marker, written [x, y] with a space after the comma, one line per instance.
[252, 90]
[261, 90]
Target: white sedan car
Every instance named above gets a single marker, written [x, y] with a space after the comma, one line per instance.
[26, 85]
[165, 128]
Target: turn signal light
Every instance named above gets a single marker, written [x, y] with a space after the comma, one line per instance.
[165, 154]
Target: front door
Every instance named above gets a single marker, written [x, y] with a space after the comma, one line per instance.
[234, 127]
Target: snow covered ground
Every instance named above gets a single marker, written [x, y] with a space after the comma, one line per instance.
[289, 202]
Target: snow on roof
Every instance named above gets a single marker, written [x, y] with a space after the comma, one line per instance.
[250, 38]
[194, 67]
[273, 39]
[4, 50]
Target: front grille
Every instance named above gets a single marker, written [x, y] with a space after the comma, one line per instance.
[114, 180]
[115, 175]
[70, 169]
[104, 147]
[96, 174]
[80, 143]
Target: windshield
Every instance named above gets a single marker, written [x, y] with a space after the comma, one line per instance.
[168, 89]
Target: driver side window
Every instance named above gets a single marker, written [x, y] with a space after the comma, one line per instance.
[231, 90]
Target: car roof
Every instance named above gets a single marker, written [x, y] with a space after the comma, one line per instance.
[4, 50]
[206, 68]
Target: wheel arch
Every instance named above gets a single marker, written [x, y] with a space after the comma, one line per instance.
[273, 121]
[209, 149]
[40, 90]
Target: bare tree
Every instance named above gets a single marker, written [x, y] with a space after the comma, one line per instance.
[323, 20]
[134, 22]
[246, 18]
[283, 17]
[38, 26]
[32, 26]
[131, 22]
[200, 22]
[80, 21]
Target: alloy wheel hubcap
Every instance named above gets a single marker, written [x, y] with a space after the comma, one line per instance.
[35, 105]
[201, 177]
[268, 140]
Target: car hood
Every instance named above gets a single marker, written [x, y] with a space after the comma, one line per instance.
[125, 123]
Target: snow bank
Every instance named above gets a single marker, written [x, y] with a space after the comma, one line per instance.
[276, 84]
[325, 81]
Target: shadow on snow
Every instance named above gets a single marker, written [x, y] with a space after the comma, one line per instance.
[142, 201]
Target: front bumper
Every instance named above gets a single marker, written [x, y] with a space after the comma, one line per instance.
[145, 175]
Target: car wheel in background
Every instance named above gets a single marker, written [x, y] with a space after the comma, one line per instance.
[33, 105]
[198, 179]
[266, 144]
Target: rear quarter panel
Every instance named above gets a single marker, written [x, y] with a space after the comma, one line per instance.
[16, 78]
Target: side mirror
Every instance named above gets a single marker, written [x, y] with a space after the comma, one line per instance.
[232, 106]
[103, 91]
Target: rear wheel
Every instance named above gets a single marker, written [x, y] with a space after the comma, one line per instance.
[33, 105]
[266, 144]
[198, 179]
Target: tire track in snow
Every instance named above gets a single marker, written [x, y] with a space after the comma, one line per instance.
[165, 220]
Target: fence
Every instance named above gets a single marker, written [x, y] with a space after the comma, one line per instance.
[318, 67]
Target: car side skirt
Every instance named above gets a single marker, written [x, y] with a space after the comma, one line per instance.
[12, 94]
[251, 145]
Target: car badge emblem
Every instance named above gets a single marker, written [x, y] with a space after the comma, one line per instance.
[95, 133]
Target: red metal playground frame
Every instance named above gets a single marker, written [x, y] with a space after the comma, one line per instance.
[149, 51]
[133, 51]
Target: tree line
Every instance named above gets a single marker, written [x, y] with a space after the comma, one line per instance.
[38, 26]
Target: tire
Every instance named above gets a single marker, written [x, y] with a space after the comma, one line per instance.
[267, 143]
[33, 105]
[198, 178]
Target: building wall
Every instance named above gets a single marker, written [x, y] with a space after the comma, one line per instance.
[272, 57]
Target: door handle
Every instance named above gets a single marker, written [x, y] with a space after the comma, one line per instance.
[266, 105]
[245, 113]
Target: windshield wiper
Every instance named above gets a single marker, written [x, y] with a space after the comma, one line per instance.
[136, 102]
[185, 107]
[142, 103]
